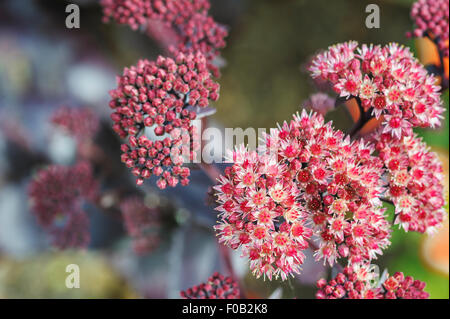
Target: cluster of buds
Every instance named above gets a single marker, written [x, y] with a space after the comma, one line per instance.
[72, 232]
[415, 178]
[186, 20]
[81, 123]
[57, 194]
[363, 283]
[400, 287]
[351, 283]
[386, 81]
[309, 179]
[161, 98]
[431, 19]
[217, 287]
[141, 223]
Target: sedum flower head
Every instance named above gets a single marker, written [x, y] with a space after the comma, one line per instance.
[185, 20]
[400, 286]
[217, 287]
[81, 123]
[387, 80]
[308, 180]
[339, 187]
[414, 180]
[259, 213]
[161, 97]
[431, 19]
[57, 195]
[351, 283]
[141, 223]
[363, 283]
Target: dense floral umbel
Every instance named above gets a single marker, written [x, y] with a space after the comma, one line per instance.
[387, 81]
[339, 184]
[164, 96]
[141, 223]
[217, 287]
[364, 283]
[309, 179]
[259, 212]
[137, 13]
[431, 19]
[81, 123]
[71, 231]
[57, 194]
[415, 178]
[400, 287]
[351, 283]
[186, 20]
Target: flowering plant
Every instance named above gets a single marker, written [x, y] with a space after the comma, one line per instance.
[309, 192]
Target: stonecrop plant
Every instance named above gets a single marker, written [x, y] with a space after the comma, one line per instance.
[308, 186]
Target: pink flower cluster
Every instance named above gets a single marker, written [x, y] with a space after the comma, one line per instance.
[363, 283]
[400, 287]
[387, 81]
[163, 96]
[310, 179]
[57, 194]
[217, 287]
[319, 102]
[141, 223]
[186, 20]
[351, 283]
[431, 19]
[81, 123]
[415, 178]
[259, 212]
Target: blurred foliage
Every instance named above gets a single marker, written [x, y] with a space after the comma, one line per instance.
[44, 276]
[404, 255]
[264, 82]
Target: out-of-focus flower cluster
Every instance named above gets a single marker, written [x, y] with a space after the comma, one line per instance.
[387, 81]
[431, 19]
[414, 180]
[217, 287]
[141, 223]
[310, 179]
[186, 20]
[164, 96]
[58, 194]
[319, 102]
[81, 123]
[364, 283]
